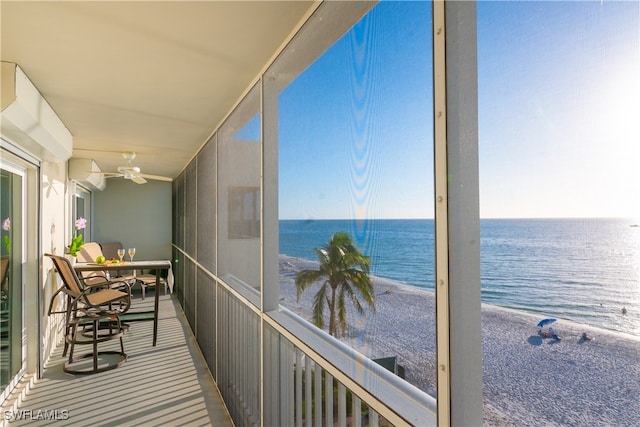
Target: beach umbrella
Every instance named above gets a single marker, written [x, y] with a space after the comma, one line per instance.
[545, 322]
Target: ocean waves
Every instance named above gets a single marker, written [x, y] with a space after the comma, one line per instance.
[583, 270]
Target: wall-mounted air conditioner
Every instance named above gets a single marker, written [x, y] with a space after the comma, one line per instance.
[27, 119]
[83, 172]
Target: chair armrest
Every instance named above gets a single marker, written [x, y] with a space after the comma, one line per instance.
[53, 298]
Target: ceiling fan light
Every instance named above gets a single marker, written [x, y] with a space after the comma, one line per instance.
[129, 169]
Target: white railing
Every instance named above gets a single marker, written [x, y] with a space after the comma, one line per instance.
[308, 377]
[375, 392]
[302, 375]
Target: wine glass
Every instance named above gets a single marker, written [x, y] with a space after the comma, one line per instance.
[132, 252]
[121, 253]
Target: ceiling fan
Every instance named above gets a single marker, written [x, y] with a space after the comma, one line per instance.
[133, 172]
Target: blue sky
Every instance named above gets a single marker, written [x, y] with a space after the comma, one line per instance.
[559, 108]
[559, 102]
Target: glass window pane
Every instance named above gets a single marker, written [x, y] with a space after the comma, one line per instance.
[81, 201]
[11, 300]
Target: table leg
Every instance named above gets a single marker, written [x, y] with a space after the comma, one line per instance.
[156, 307]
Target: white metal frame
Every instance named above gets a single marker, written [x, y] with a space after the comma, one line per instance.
[458, 303]
[459, 351]
[19, 163]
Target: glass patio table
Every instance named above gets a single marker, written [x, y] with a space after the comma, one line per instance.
[132, 316]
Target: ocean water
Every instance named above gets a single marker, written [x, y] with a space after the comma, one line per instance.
[583, 270]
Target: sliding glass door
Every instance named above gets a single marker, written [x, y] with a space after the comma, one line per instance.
[11, 257]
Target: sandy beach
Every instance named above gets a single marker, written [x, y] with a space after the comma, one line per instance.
[528, 380]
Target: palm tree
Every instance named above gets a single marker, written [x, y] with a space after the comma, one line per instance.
[346, 271]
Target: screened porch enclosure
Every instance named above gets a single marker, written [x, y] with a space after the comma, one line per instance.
[271, 365]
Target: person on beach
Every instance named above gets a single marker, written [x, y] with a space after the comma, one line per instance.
[585, 337]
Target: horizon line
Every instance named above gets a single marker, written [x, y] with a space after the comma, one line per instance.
[431, 218]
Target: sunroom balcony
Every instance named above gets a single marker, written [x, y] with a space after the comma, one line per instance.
[213, 377]
[168, 384]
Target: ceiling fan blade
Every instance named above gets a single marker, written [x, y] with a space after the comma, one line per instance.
[106, 173]
[138, 179]
[157, 177]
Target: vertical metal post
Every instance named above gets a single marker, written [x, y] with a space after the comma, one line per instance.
[298, 387]
[317, 394]
[342, 405]
[441, 209]
[459, 331]
[356, 409]
[328, 391]
[308, 392]
[269, 228]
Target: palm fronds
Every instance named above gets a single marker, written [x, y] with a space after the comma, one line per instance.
[346, 273]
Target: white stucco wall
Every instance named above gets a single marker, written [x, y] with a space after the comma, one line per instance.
[55, 235]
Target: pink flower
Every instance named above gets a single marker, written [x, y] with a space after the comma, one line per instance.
[81, 223]
[6, 224]
[76, 241]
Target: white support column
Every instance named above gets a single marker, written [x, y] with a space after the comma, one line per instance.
[269, 204]
[457, 214]
[269, 228]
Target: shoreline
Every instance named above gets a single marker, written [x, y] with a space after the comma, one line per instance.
[527, 379]
[406, 287]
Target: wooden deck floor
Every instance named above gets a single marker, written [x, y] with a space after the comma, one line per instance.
[166, 385]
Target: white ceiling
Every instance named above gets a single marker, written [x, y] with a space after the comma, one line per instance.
[154, 77]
